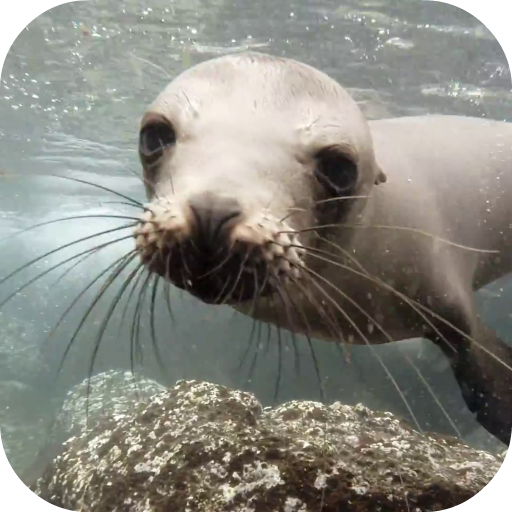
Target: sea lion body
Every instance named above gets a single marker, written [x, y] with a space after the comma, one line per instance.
[449, 177]
[270, 191]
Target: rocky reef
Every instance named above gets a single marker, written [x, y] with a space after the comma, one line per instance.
[206, 448]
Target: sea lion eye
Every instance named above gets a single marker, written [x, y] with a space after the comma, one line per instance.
[153, 139]
[336, 171]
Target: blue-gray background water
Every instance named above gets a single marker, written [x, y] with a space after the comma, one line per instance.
[73, 89]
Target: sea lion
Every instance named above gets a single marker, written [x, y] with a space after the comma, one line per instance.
[269, 191]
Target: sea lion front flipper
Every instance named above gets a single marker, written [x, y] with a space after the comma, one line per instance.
[484, 374]
[483, 370]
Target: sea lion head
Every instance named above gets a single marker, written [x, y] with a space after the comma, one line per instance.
[243, 155]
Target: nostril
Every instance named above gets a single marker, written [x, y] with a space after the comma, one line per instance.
[213, 215]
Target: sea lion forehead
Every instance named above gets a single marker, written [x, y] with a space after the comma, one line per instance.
[252, 81]
[297, 100]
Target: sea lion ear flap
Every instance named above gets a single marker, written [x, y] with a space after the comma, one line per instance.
[381, 177]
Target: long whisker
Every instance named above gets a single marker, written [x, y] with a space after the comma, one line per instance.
[310, 344]
[101, 187]
[365, 275]
[433, 395]
[331, 322]
[135, 343]
[289, 316]
[64, 219]
[322, 201]
[84, 291]
[418, 305]
[251, 314]
[365, 339]
[464, 335]
[398, 228]
[216, 268]
[260, 326]
[279, 350]
[149, 63]
[342, 198]
[154, 339]
[292, 212]
[108, 316]
[53, 267]
[390, 339]
[74, 266]
[124, 203]
[112, 277]
[344, 252]
[237, 279]
[221, 293]
[134, 282]
[167, 297]
[62, 247]
[167, 286]
[405, 492]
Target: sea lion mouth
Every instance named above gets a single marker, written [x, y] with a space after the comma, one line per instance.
[226, 262]
[224, 277]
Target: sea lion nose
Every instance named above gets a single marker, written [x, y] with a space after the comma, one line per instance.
[213, 215]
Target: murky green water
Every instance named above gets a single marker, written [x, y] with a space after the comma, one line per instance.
[73, 88]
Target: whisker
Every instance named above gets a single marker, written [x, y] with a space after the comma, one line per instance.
[167, 296]
[108, 316]
[342, 198]
[291, 213]
[382, 284]
[268, 324]
[167, 287]
[344, 252]
[251, 314]
[335, 329]
[136, 325]
[53, 267]
[398, 228]
[390, 339]
[217, 268]
[279, 350]
[221, 293]
[433, 395]
[260, 333]
[283, 298]
[149, 63]
[73, 267]
[111, 278]
[237, 279]
[154, 340]
[310, 344]
[101, 187]
[63, 219]
[464, 335]
[62, 247]
[185, 271]
[135, 174]
[405, 492]
[84, 291]
[365, 339]
[134, 282]
[124, 203]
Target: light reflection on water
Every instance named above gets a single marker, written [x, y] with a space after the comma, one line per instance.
[73, 88]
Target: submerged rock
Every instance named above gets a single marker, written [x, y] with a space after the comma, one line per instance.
[206, 448]
[85, 405]
[106, 393]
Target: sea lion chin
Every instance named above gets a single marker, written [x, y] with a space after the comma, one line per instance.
[269, 191]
